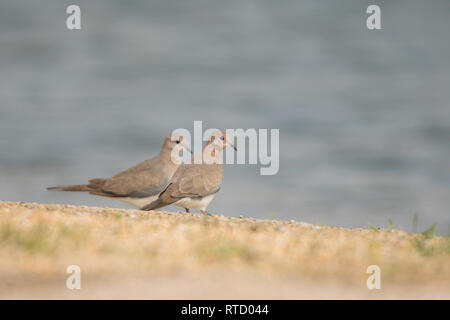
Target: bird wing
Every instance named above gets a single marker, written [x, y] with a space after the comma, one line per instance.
[195, 180]
[190, 180]
[146, 179]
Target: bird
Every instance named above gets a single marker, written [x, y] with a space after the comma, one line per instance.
[195, 184]
[141, 184]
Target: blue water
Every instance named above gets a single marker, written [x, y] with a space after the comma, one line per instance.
[364, 116]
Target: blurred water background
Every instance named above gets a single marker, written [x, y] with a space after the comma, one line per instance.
[364, 116]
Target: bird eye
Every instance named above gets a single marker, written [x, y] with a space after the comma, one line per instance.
[222, 138]
[178, 141]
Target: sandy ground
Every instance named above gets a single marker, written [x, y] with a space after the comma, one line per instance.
[131, 254]
[217, 287]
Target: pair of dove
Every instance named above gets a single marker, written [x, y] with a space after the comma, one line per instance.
[164, 180]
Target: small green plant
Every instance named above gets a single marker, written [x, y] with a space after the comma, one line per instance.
[430, 233]
[428, 249]
[373, 228]
[390, 225]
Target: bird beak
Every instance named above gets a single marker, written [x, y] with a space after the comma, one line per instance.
[231, 145]
[187, 149]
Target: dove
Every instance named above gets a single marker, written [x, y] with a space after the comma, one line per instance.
[139, 185]
[194, 184]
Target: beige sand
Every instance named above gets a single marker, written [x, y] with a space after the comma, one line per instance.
[158, 255]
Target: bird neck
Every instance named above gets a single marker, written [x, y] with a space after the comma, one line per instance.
[211, 154]
[173, 158]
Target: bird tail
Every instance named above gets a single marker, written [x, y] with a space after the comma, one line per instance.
[93, 185]
[76, 187]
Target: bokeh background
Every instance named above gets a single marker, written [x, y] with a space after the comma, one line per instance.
[364, 116]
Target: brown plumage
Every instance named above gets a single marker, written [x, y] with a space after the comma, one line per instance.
[195, 185]
[138, 185]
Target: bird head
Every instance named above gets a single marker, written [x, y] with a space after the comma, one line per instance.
[220, 140]
[174, 144]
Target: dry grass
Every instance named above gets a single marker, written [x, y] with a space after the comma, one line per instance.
[38, 242]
